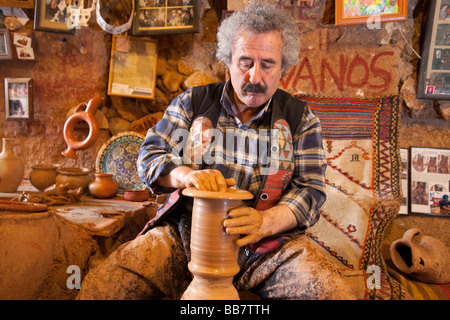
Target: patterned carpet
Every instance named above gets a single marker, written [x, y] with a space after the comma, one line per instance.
[360, 138]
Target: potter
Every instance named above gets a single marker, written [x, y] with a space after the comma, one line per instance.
[275, 259]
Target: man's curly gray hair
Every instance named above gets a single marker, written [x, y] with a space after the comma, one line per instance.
[259, 17]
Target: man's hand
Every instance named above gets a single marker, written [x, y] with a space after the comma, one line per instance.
[247, 221]
[208, 180]
[205, 180]
[256, 225]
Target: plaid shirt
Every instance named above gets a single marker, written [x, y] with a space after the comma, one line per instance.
[304, 195]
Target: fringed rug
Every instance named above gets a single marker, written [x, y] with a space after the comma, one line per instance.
[360, 138]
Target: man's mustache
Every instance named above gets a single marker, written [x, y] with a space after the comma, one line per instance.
[255, 88]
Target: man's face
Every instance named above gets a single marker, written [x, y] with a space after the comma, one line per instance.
[255, 67]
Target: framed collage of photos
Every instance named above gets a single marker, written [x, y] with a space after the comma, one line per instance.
[153, 17]
[434, 75]
[429, 184]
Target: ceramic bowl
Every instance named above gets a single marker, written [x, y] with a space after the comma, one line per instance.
[43, 175]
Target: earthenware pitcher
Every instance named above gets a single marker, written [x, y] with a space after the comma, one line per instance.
[11, 167]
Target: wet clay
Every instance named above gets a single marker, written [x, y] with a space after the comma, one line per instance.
[213, 252]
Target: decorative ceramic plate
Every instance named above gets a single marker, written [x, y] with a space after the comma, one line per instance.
[118, 156]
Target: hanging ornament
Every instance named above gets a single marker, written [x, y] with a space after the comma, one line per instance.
[114, 29]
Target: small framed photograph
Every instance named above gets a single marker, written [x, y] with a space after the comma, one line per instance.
[132, 70]
[18, 99]
[430, 180]
[5, 45]
[350, 12]
[434, 73]
[17, 3]
[51, 16]
[153, 17]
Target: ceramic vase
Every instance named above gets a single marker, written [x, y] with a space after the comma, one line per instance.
[422, 257]
[213, 251]
[11, 167]
[43, 175]
[103, 186]
[73, 178]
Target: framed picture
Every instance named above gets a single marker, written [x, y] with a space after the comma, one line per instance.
[51, 16]
[430, 180]
[132, 70]
[17, 3]
[434, 73]
[369, 12]
[153, 17]
[5, 45]
[18, 99]
[404, 180]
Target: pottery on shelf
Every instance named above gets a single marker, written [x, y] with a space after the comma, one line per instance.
[103, 186]
[73, 178]
[422, 257]
[87, 116]
[43, 175]
[213, 251]
[11, 167]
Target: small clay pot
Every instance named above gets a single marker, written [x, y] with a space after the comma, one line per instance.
[103, 186]
[73, 177]
[136, 195]
[43, 175]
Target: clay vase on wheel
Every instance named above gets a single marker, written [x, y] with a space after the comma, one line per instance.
[213, 252]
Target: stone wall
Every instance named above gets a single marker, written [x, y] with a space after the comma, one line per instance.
[335, 61]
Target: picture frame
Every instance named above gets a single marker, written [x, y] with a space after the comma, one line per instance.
[51, 19]
[404, 180]
[154, 17]
[5, 45]
[133, 67]
[351, 12]
[430, 179]
[18, 99]
[17, 3]
[434, 71]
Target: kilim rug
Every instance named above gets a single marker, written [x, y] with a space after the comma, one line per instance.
[360, 138]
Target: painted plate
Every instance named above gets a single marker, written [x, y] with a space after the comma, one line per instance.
[118, 156]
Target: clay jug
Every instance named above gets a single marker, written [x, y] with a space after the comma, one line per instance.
[11, 167]
[424, 258]
[103, 185]
[213, 252]
[87, 116]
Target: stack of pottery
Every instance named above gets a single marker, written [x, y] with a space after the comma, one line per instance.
[11, 167]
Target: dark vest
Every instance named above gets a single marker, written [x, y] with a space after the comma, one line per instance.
[286, 114]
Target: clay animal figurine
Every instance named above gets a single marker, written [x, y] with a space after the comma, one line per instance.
[422, 257]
